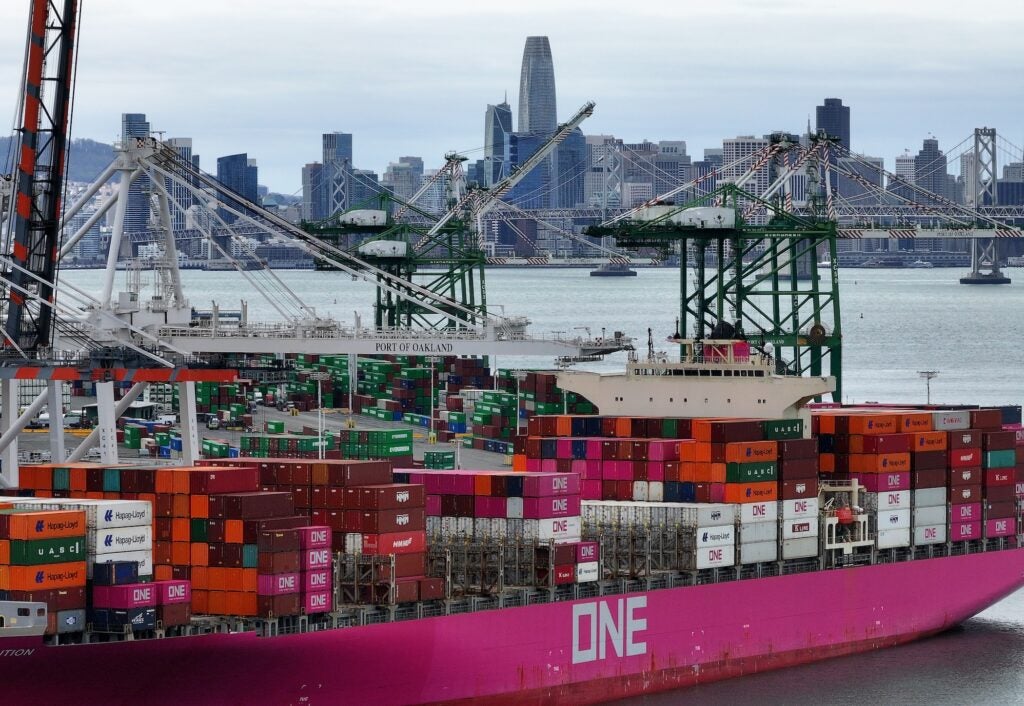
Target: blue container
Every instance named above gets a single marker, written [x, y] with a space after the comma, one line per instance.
[579, 448]
[175, 443]
[164, 452]
[232, 452]
[115, 573]
[673, 492]
[116, 620]
[514, 486]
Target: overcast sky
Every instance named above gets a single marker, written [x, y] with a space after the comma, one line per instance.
[267, 77]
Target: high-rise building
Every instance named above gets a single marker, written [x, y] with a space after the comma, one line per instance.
[238, 174]
[335, 193]
[364, 185]
[136, 217]
[570, 175]
[497, 136]
[312, 192]
[930, 169]
[603, 183]
[182, 197]
[834, 119]
[905, 167]
[534, 189]
[738, 157]
[537, 88]
[403, 178]
[871, 170]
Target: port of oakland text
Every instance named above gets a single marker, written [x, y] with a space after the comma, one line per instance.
[414, 347]
[595, 624]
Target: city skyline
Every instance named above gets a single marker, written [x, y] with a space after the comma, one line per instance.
[701, 90]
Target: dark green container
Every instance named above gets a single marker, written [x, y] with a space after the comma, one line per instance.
[111, 480]
[250, 556]
[778, 429]
[198, 531]
[751, 472]
[47, 551]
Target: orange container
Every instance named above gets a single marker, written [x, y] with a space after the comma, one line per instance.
[180, 483]
[519, 463]
[563, 426]
[162, 572]
[827, 463]
[218, 603]
[703, 452]
[915, 421]
[249, 580]
[199, 554]
[181, 553]
[879, 463]
[623, 427]
[198, 577]
[717, 474]
[180, 506]
[42, 577]
[688, 450]
[241, 603]
[78, 480]
[751, 451]
[215, 578]
[873, 424]
[234, 531]
[751, 492]
[199, 506]
[181, 531]
[200, 600]
[45, 524]
[5, 551]
[165, 481]
[930, 441]
[482, 485]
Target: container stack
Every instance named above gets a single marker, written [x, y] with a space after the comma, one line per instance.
[999, 460]
[964, 474]
[316, 579]
[42, 559]
[543, 507]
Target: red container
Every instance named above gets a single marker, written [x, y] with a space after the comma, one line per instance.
[964, 439]
[965, 512]
[278, 563]
[313, 559]
[1000, 493]
[174, 614]
[317, 602]
[963, 531]
[274, 606]
[313, 581]
[587, 551]
[986, 419]
[998, 440]
[173, 591]
[965, 458]
[798, 489]
[798, 468]
[210, 479]
[999, 509]
[316, 537]
[998, 476]
[565, 574]
[431, 589]
[791, 449]
[125, 596]
[411, 542]
[966, 476]
[391, 496]
[406, 565]
[928, 460]
[277, 584]
[965, 494]
[55, 599]
[346, 473]
[1001, 527]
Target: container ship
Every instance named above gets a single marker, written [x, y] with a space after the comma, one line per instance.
[708, 523]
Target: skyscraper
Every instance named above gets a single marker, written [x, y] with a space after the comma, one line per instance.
[337, 172]
[930, 169]
[497, 135]
[182, 196]
[136, 217]
[537, 88]
[570, 175]
[834, 118]
[238, 174]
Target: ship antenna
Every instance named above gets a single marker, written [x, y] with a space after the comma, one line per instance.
[650, 345]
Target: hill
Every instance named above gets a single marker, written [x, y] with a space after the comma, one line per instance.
[86, 161]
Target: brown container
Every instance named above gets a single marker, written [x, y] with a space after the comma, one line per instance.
[346, 473]
[790, 449]
[215, 530]
[225, 555]
[391, 496]
[406, 565]
[279, 562]
[282, 540]
[998, 440]
[798, 468]
[965, 476]
[994, 510]
[963, 494]
[383, 521]
[55, 599]
[251, 528]
[964, 439]
[798, 489]
[1001, 493]
[431, 589]
[928, 460]
[406, 591]
[986, 419]
[174, 614]
[931, 478]
[556, 554]
[282, 604]
[245, 506]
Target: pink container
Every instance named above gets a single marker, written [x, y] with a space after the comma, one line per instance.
[463, 484]
[663, 450]
[591, 470]
[883, 482]
[594, 449]
[171, 592]
[1001, 527]
[318, 602]
[433, 505]
[546, 484]
[130, 595]
[533, 465]
[591, 490]
[578, 466]
[277, 584]
[968, 512]
[563, 448]
[486, 506]
[624, 470]
[315, 559]
[314, 537]
[656, 471]
[549, 465]
[961, 531]
[587, 551]
[718, 492]
[313, 581]
[551, 506]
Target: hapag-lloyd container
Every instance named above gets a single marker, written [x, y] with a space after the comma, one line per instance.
[767, 511]
[929, 534]
[313, 581]
[893, 519]
[796, 509]
[800, 528]
[99, 514]
[136, 595]
[718, 536]
[892, 500]
[120, 539]
[800, 548]
[1001, 527]
[962, 531]
[714, 557]
[756, 552]
[967, 512]
[278, 584]
[588, 571]
[313, 559]
[756, 532]
[890, 538]
[930, 515]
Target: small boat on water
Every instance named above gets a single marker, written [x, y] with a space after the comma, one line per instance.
[921, 265]
[613, 269]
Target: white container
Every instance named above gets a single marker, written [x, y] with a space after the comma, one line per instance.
[893, 520]
[705, 514]
[720, 536]
[756, 552]
[656, 491]
[799, 528]
[119, 540]
[930, 534]
[714, 557]
[705, 217]
[144, 560]
[890, 500]
[514, 508]
[755, 532]
[363, 217]
[640, 491]
[758, 512]
[800, 548]
[930, 497]
[929, 516]
[558, 529]
[951, 419]
[99, 514]
[588, 571]
[803, 507]
[889, 538]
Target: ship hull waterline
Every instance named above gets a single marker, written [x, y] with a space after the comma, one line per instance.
[549, 653]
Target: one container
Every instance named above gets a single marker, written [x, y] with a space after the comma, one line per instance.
[138, 595]
[801, 508]
[926, 516]
[929, 497]
[929, 534]
[277, 584]
[962, 531]
[715, 557]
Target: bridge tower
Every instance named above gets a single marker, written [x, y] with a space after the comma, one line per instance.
[984, 251]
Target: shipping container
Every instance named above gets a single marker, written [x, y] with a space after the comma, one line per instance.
[799, 528]
[891, 538]
[800, 508]
[933, 515]
[754, 532]
[756, 552]
[715, 557]
[930, 534]
[929, 497]
[800, 548]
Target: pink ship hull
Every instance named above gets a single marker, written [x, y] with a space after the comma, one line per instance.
[540, 654]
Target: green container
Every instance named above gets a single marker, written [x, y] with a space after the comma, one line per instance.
[198, 531]
[250, 556]
[992, 459]
[751, 472]
[275, 427]
[778, 429]
[47, 551]
[111, 480]
[61, 479]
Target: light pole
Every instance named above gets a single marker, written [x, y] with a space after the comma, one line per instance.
[928, 375]
[519, 375]
[457, 444]
[320, 377]
[433, 360]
